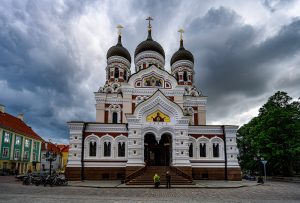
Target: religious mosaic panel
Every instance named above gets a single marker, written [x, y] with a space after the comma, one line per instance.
[153, 81]
[158, 116]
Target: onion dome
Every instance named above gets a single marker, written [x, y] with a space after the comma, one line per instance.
[182, 54]
[149, 45]
[119, 50]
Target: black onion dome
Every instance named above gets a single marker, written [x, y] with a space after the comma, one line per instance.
[118, 50]
[182, 54]
[149, 45]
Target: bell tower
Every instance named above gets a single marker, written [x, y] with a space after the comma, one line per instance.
[118, 62]
[182, 64]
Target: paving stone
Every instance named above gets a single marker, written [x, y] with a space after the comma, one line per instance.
[13, 191]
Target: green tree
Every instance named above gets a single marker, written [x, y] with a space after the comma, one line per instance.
[274, 135]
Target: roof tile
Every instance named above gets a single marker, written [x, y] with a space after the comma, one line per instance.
[16, 125]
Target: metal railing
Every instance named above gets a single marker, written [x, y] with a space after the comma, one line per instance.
[135, 174]
[181, 173]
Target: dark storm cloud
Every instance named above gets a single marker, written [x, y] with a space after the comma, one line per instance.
[39, 64]
[47, 72]
[274, 5]
[229, 62]
[163, 12]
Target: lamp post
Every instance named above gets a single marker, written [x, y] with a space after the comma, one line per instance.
[259, 159]
[50, 156]
[264, 162]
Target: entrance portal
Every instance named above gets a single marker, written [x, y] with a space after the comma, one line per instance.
[157, 154]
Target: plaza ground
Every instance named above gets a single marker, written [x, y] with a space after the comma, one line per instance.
[14, 191]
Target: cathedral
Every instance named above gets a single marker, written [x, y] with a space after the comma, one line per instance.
[151, 121]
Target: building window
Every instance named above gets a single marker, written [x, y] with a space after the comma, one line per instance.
[185, 76]
[33, 156]
[6, 137]
[191, 150]
[125, 75]
[26, 143]
[202, 150]
[18, 140]
[93, 147]
[114, 117]
[216, 152]
[116, 72]
[121, 149]
[35, 145]
[26, 153]
[5, 152]
[107, 149]
[17, 154]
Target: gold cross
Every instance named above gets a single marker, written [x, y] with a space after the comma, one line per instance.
[181, 31]
[149, 19]
[120, 27]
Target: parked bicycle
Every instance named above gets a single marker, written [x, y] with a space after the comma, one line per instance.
[52, 180]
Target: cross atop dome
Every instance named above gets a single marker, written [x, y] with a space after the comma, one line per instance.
[181, 31]
[149, 22]
[120, 27]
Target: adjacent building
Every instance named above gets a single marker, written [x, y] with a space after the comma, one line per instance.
[64, 150]
[50, 150]
[20, 146]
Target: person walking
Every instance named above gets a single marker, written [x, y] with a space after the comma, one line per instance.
[156, 180]
[168, 178]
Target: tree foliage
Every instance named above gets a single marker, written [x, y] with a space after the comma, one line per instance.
[274, 135]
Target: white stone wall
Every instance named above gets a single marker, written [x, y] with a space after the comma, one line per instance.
[74, 159]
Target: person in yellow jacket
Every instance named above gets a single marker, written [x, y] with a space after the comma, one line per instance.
[156, 180]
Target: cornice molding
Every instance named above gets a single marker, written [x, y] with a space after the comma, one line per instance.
[118, 59]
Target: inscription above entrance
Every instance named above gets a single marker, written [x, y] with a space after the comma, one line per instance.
[158, 116]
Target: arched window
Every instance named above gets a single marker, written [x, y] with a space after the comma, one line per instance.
[185, 78]
[121, 149]
[191, 150]
[107, 148]
[177, 76]
[93, 147]
[216, 152]
[114, 117]
[125, 75]
[116, 72]
[202, 150]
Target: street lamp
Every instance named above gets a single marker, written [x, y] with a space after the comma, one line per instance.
[264, 162]
[50, 156]
[259, 159]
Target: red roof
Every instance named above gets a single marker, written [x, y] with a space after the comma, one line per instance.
[63, 148]
[16, 125]
[50, 147]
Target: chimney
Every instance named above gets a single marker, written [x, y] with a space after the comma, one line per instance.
[2, 108]
[21, 116]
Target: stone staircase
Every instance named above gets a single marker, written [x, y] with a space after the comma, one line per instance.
[146, 177]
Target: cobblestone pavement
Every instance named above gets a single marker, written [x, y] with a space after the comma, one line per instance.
[14, 191]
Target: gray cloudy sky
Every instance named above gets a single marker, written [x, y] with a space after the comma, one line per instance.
[52, 53]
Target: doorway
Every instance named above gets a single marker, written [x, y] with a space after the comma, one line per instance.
[157, 153]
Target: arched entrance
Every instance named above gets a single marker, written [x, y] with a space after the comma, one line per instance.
[157, 154]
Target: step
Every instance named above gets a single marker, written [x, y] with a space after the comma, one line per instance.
[146, 178]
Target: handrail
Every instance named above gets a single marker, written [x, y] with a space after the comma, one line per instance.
[181, 173]
[135, 174]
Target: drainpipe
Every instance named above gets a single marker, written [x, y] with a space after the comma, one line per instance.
[225, 152]
[82, 152]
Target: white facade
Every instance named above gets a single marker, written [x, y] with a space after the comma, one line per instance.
[124, 106]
